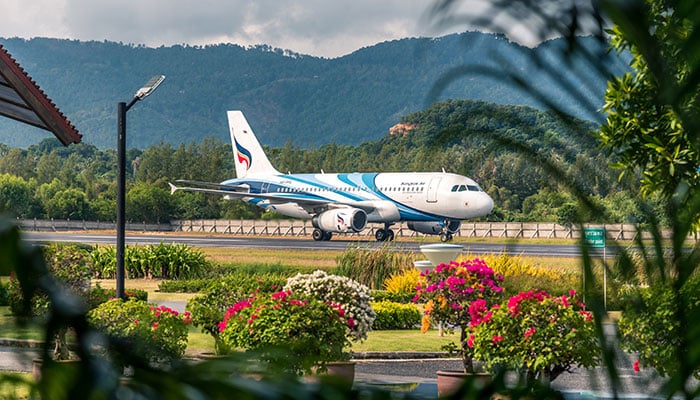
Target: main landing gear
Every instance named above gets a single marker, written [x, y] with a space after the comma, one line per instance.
[384, 234]
[320, 235]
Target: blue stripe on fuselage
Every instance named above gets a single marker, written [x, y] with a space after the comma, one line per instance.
[364, 181]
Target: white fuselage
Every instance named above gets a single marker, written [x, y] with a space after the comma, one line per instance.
[392, 196]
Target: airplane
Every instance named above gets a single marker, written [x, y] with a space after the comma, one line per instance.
[430, 202]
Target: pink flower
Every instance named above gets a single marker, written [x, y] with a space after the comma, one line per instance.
[351, 323]
[155, 326]
[497, 339]
[470, 341]
[635, 366]
[529, 332]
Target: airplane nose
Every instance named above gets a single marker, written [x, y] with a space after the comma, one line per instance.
[486, 204]
[480, 205]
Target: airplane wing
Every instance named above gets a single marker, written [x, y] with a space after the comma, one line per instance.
[309, 204]
[211, 185]
[242, 192]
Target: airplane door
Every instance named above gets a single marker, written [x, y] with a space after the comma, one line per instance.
[263, 188]
[433, 190]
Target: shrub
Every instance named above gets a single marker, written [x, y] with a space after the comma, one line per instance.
[351, 295]
[69, 263]
[208, 308]
[4, 294]
[391, 315]
[381, 295]
[157, 333]
[404, 281]
[371, 267]
[449, 289]
[99, 295]
[651, 326]
[291, 332]
[534, 333]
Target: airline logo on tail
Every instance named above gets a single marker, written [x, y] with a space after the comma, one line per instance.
[244, 156]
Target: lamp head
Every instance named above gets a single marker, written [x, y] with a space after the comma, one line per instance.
[149, 87]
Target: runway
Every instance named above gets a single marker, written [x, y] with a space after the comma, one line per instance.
[339, 244]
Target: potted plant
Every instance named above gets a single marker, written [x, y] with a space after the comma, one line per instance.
[354, 298]
[447, 291]
[288, 332]
[534, 333]
[157, 333]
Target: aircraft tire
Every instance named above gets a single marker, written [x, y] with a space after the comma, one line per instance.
[381, 235]
[445, 237]
[327, 236]
[390, 235]
[318, 235]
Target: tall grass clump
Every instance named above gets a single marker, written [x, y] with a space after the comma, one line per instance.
[371, 266]
[163, 261]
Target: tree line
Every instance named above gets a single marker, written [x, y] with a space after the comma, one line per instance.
[474, 138]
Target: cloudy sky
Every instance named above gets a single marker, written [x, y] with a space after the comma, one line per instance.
[327, 28]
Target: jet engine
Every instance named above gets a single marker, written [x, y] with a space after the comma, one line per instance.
[434, 227]
[340, 220]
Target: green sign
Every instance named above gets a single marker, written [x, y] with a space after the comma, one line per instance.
[595, 237]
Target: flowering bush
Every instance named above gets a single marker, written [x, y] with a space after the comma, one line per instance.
[535, 333]
[354, 298]
[449, 289]
[209, 306]
[158, 333]
[291, 332]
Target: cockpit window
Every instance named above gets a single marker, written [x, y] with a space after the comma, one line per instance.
[464, 188]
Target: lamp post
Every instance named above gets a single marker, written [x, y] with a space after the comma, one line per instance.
[122, 108]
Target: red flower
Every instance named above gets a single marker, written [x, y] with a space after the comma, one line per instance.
[635, 366]
[529, 332]
[497, 339]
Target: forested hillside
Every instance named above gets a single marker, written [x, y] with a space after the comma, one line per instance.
[505, 148]
[309, 101]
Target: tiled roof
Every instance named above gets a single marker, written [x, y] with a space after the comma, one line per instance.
[22, 99]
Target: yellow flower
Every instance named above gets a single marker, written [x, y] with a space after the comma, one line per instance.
[425, 323]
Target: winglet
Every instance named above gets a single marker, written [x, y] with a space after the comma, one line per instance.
[173, 188]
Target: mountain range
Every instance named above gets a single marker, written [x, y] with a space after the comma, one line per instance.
[289, 97]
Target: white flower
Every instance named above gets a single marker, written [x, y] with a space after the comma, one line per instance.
[353, 297]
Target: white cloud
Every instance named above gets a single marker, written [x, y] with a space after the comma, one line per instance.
[316, 27]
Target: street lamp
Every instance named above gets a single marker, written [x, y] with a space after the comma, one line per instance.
[122, 108]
